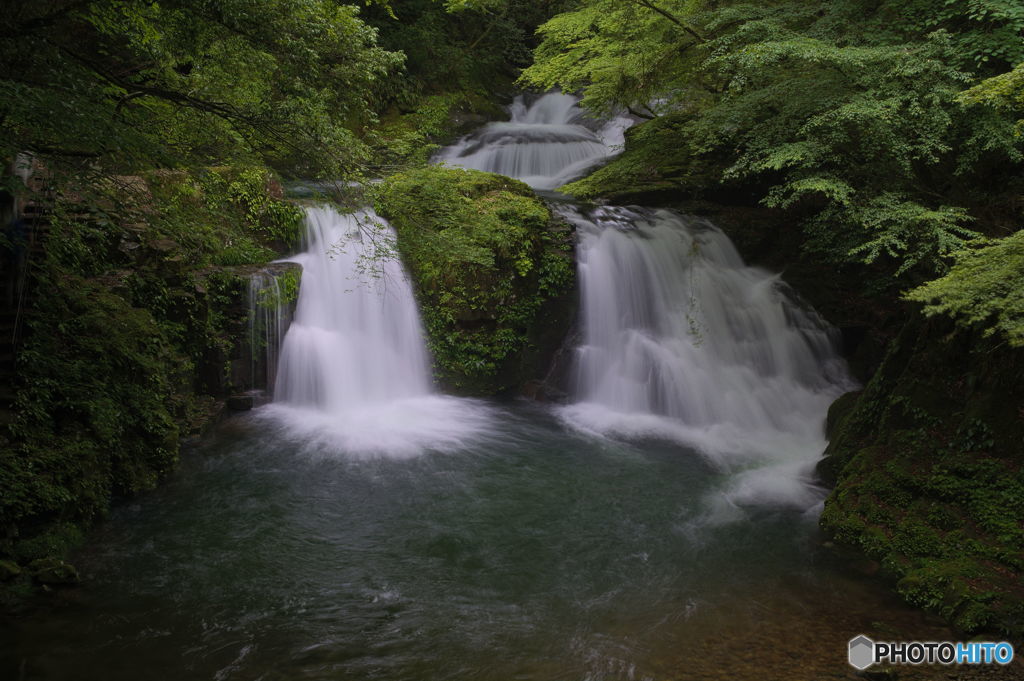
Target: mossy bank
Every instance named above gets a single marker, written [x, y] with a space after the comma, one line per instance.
[493, 271]
[929, 473]
[134, 329]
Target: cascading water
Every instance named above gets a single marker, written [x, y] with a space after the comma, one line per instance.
[536, 552]
[356, 338]
[545, 145]
[681, 340]
[354, 365]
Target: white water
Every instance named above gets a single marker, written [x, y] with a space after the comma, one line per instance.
[545, 144]
[354, 372]
[681, 340]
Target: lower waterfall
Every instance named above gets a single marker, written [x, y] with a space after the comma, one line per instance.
[682, 340]
[354, 366]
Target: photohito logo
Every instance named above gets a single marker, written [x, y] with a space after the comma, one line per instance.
[864, 652]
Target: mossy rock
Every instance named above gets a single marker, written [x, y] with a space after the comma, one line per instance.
[493, 271]
[53, 571]
[929, 474]
[660, 160]
[842, 407]
[8, 570]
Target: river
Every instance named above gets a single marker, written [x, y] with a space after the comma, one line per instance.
[661, 525]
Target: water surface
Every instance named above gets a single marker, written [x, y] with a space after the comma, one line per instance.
[529, 552]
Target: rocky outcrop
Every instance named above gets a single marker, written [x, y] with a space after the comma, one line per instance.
[928, 468]
[493, 271]
[54, 572]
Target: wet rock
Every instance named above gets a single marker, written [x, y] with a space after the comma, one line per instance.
[541, 391]
[129, 248]
[53, 571]
[8, 570]
[866, 567]
[240, 402]
[839, 410]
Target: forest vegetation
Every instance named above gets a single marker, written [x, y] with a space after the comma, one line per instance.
[885, 138]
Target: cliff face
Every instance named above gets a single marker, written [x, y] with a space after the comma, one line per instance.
[928, 467]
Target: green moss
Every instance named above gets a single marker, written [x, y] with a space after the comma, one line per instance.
[839, 410]
[654, 162]
[406, 139]
[9, 570]
[132, 322]
[928, 485]
[490, 267]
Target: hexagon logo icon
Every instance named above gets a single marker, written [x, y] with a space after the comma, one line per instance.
[862, 652]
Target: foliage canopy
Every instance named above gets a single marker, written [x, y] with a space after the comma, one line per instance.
[135, 84]
[885, 127]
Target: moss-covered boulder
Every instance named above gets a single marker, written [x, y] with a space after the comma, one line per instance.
[53, 571]
[492, 269]
[929, 473]
[8, 570]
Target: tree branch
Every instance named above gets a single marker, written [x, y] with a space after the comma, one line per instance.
[649, 4]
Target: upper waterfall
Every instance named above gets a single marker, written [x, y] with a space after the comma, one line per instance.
[545, 144]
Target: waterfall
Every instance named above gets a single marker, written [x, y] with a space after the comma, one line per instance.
[545, 145]
[269, 317]
[354, 370]
[356, 337]
[678, 330]
[680, 339]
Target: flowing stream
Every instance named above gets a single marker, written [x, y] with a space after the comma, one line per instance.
[663, 525]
